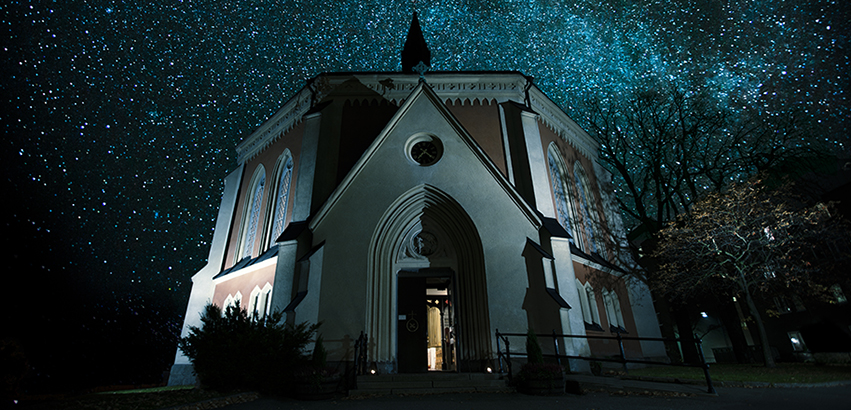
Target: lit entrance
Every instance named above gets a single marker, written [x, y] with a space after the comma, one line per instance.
[426, 321]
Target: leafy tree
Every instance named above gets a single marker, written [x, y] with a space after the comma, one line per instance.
[233, 351]
[753, 241]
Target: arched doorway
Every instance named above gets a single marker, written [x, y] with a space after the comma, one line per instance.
[426, 234]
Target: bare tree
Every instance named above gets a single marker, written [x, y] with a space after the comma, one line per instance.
[668, 147]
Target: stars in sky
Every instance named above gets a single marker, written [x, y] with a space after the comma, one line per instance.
[120, 117]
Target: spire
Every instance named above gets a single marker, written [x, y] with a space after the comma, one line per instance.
[415, 49]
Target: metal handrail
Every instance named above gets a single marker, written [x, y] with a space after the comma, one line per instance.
[361, 360]
[620, 359]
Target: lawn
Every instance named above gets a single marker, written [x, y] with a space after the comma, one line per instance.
[141, 399]
[783, 373]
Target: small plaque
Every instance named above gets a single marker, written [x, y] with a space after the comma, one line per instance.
[403, 317]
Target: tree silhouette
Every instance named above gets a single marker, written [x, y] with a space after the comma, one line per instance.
[753, 241]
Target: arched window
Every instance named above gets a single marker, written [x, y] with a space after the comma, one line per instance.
[590, 217]
[260, 302]
[251, 214]
[588, 302]
[562, 194]
[281, 195]
[592, 304]
[613, 311]
[233, 300]
[585, 308]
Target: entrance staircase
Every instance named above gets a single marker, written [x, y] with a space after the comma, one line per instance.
[429, 383]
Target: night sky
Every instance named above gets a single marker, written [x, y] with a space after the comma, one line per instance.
[121, 118]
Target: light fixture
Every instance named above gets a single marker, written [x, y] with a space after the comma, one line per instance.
[488, 370]
[703, 314]
[373, 368]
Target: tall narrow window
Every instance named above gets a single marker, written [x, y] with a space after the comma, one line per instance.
[590, 217]
[251, 214]
[260, 302]
[588, 302]
[613, 311]
[592, 304]
[585, 307]
[561, 190]
[248, 249]
[284, 173]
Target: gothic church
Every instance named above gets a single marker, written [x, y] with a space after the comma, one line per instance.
[426, 209]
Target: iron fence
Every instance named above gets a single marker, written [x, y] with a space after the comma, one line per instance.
[505, 357]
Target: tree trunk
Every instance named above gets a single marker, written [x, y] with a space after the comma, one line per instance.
[685, 326]
[766, 349]
[666, 327]
[731, 321]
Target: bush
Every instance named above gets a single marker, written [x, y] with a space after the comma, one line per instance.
[320, 356]
[231, 351]
[533, 348]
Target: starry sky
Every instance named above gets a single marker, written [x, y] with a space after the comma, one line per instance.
[120, 118]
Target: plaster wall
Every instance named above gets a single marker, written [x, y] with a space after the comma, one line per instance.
[291, 140]
[243, 283]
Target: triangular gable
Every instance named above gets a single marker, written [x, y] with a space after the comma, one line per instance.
[423, 91]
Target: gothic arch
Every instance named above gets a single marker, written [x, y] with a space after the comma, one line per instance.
[426, 205]
[251, 215]
[280, 197]
[562, 191]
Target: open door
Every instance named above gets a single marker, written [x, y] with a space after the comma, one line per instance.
[426, 321]
[412, 327]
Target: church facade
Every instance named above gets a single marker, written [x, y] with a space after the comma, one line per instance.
[426, 211]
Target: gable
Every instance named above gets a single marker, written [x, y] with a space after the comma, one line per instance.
[463, 166]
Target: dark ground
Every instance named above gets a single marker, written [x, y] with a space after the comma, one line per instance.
[834, 398]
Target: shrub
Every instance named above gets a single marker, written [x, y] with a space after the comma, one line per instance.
[231, 351]
[533, 348]
[320, 356]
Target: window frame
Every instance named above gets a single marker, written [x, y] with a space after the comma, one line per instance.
[562, 193]
[279, 201]
[251, 215]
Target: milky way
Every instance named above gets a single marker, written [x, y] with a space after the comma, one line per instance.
[121, 118]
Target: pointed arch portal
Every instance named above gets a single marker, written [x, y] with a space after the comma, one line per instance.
[425, 230]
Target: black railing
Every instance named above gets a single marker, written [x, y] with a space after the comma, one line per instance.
[361, 361]
[505, 357]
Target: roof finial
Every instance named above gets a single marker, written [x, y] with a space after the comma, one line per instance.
[415, 49]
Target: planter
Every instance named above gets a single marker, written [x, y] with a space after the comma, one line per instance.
[542, 387]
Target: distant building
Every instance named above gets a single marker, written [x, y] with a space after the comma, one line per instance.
[426, 210]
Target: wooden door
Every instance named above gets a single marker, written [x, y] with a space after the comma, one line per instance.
[412, 325]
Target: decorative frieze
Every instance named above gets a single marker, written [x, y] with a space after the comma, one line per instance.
[460, 88]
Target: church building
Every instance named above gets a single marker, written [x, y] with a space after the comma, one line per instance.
[426, 210]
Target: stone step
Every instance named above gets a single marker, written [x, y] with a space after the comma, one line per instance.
[428, 383]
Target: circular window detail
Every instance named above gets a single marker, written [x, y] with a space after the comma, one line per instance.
[424, 243]
[424, 149]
